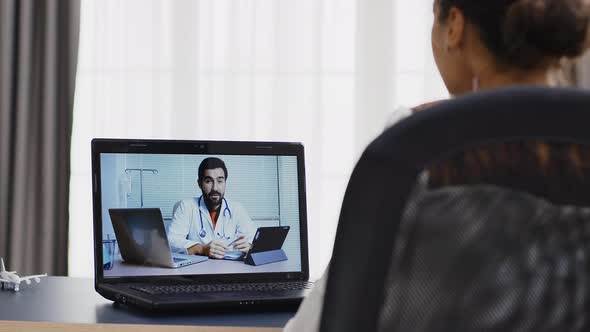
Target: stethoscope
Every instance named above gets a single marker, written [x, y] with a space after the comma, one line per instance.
[203, 232]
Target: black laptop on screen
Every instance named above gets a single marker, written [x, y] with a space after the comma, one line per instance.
[239, 204]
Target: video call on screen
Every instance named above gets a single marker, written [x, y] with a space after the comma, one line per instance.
[263, 188]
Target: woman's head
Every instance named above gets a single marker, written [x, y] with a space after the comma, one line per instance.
[522, 38]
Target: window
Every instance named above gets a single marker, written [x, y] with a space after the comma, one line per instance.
[240, 70]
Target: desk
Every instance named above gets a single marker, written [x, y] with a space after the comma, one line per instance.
[211, 266]
[71, 303]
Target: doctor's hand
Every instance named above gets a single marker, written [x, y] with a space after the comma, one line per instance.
[215, 249]
[241, 244]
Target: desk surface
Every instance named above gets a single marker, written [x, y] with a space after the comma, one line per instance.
[73, 300]
[211, 266]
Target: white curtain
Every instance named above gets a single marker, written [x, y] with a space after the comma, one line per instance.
[322, 72]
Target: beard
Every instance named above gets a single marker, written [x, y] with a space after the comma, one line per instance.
[213, 199]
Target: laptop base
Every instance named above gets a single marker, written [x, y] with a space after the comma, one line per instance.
[122, 294]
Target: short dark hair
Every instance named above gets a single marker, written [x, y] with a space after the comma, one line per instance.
[211, 163]
[554, 171]
[527, 33]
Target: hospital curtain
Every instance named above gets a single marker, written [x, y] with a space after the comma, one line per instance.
[38, 54]
[322, 72]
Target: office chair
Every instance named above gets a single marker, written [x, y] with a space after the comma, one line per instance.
[438, 248]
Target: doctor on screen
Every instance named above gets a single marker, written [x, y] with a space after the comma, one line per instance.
[211, 224]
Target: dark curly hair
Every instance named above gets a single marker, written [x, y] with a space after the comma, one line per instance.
[527, 33]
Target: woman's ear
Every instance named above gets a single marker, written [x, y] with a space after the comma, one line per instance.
[455, 28]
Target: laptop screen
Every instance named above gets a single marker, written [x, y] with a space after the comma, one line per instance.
[211, 204]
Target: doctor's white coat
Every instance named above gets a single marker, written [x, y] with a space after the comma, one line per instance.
[185, 229]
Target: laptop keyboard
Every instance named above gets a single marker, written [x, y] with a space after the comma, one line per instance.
[210, 288]
[177, 259]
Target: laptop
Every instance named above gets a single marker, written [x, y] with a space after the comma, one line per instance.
[198, 194]
[142, 239]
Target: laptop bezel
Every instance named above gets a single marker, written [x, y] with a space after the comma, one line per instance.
[145, 146]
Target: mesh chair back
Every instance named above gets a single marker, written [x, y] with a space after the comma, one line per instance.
[473, 216]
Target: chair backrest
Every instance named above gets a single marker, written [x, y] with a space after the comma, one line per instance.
[383, 191]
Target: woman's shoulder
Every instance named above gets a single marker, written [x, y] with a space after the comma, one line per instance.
[398, 114]
[309, 313]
